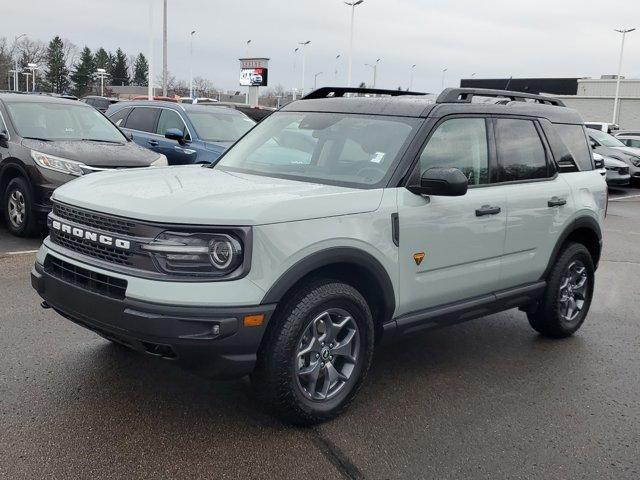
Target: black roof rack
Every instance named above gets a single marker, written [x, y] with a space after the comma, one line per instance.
[465, 95]
[325, 92]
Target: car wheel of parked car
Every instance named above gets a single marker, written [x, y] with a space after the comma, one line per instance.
[567, 298]
[316, 354]
[18, 213]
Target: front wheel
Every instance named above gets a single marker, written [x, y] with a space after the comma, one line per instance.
[567, 299]
[316, 353]
[18, 208]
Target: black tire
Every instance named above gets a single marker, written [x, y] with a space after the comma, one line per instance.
[276, 378]
[26, 223]
[550, 318]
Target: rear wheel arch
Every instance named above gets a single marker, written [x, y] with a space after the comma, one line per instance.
[8, 172]
[584, 230]
[346, 264]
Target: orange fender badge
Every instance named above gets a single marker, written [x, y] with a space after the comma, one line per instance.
[418, 257]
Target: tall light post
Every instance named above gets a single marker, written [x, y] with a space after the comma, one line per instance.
[26, 77]
[165, 71]
[150, 92]
[413, 67]
[101, 73]
[13, 75]
[315, 80]
[304, 45]
[248, 46]
[444, 72]
[353, 6]
[616, 100]
[335, 70]
[374, 66]
[33, 67]
[16, 70]
[191, 64]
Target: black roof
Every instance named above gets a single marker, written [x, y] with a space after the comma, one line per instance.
[450, 101]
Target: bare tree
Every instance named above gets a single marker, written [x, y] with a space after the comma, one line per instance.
[71, 52]
[203, 87]
[29, 51]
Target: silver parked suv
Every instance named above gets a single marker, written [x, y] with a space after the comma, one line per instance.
[337, 222]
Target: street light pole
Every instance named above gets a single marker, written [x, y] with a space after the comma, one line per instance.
[315, 80]
[150, 91]
[335, 71]
[375, 71]
[101, 72]
[304, 44]
[617, 97]
[165, 72]
[444, 71]
[353, 10]
[191, 65]
[26, 77]
[33, 67]
[17, 67]
[413, 67]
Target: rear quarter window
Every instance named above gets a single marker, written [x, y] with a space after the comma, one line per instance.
[575, 139]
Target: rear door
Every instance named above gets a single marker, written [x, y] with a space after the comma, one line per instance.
[451, 247]
[141, 124]
[539, 201]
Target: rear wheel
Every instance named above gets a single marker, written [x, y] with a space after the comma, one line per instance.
[18, 208]
[567, 298]
[316, 354]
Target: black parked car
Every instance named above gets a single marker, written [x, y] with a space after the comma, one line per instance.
[47, 141]
[99, 103]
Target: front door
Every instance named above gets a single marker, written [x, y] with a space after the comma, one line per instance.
[451, 247]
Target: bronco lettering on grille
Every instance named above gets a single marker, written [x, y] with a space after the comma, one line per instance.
[91, 236]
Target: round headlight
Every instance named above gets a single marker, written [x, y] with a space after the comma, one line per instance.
[221, 253]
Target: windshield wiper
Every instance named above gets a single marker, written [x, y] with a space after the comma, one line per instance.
[38, 138]
[101, 141]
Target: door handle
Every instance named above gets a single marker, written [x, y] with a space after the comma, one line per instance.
[487, 210]
[186, 151]
[556, 202]
[153, 143]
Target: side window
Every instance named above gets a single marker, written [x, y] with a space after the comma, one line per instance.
[460, 143]
[143, 119]
[521, 155]
[575, 139]
[119, 117]
[170, 119]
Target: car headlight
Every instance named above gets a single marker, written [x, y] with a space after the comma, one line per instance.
[161, 161]
[197, 254]
[58, 164]
[635, 161]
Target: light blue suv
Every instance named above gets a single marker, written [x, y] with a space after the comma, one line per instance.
[185, 134]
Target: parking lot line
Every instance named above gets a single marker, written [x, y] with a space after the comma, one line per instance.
[619, 199]
[22, 252]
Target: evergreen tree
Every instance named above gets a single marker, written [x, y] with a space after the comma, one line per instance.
[102, 60]
[57, 76]
[141, 71]
[82, 76]
[120, 71]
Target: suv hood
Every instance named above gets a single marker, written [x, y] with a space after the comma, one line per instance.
[96, 154]
[204, 196]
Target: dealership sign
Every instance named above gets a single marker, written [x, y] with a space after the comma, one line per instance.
[254, 72]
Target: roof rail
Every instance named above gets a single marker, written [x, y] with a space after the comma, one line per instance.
[465, 95]
[325, 92]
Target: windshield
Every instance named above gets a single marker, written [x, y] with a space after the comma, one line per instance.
[220, 127]
[62, 121]
[605, 139]
[334, 148]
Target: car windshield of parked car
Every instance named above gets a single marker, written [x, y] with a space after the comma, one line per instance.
[220, 127]
[62, 121]
[605, 139]
[333, 148]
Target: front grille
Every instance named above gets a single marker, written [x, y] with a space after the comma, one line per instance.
[86, 279]
[93, 220]
[95, 250]
[623, 170]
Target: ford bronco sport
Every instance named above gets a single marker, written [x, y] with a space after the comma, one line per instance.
[338, 222]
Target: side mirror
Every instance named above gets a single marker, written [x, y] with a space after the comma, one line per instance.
[598, 163]
[593, 143]
[4, 137]
[175, 134]
[446, 182]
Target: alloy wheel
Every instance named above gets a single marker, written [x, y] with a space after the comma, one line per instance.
[573, 291]
[17, 208]
[327, 354]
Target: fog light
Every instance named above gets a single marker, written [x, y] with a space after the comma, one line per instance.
[215, 329]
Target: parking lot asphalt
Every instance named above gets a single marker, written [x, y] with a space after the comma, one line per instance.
[486, 399]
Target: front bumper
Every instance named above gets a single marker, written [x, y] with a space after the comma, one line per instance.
[186, 335]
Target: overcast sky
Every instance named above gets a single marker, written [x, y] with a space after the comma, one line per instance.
[491, 38]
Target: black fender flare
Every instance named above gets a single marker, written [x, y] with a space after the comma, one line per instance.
[10, 164]
[332, 256]
[582, 222]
